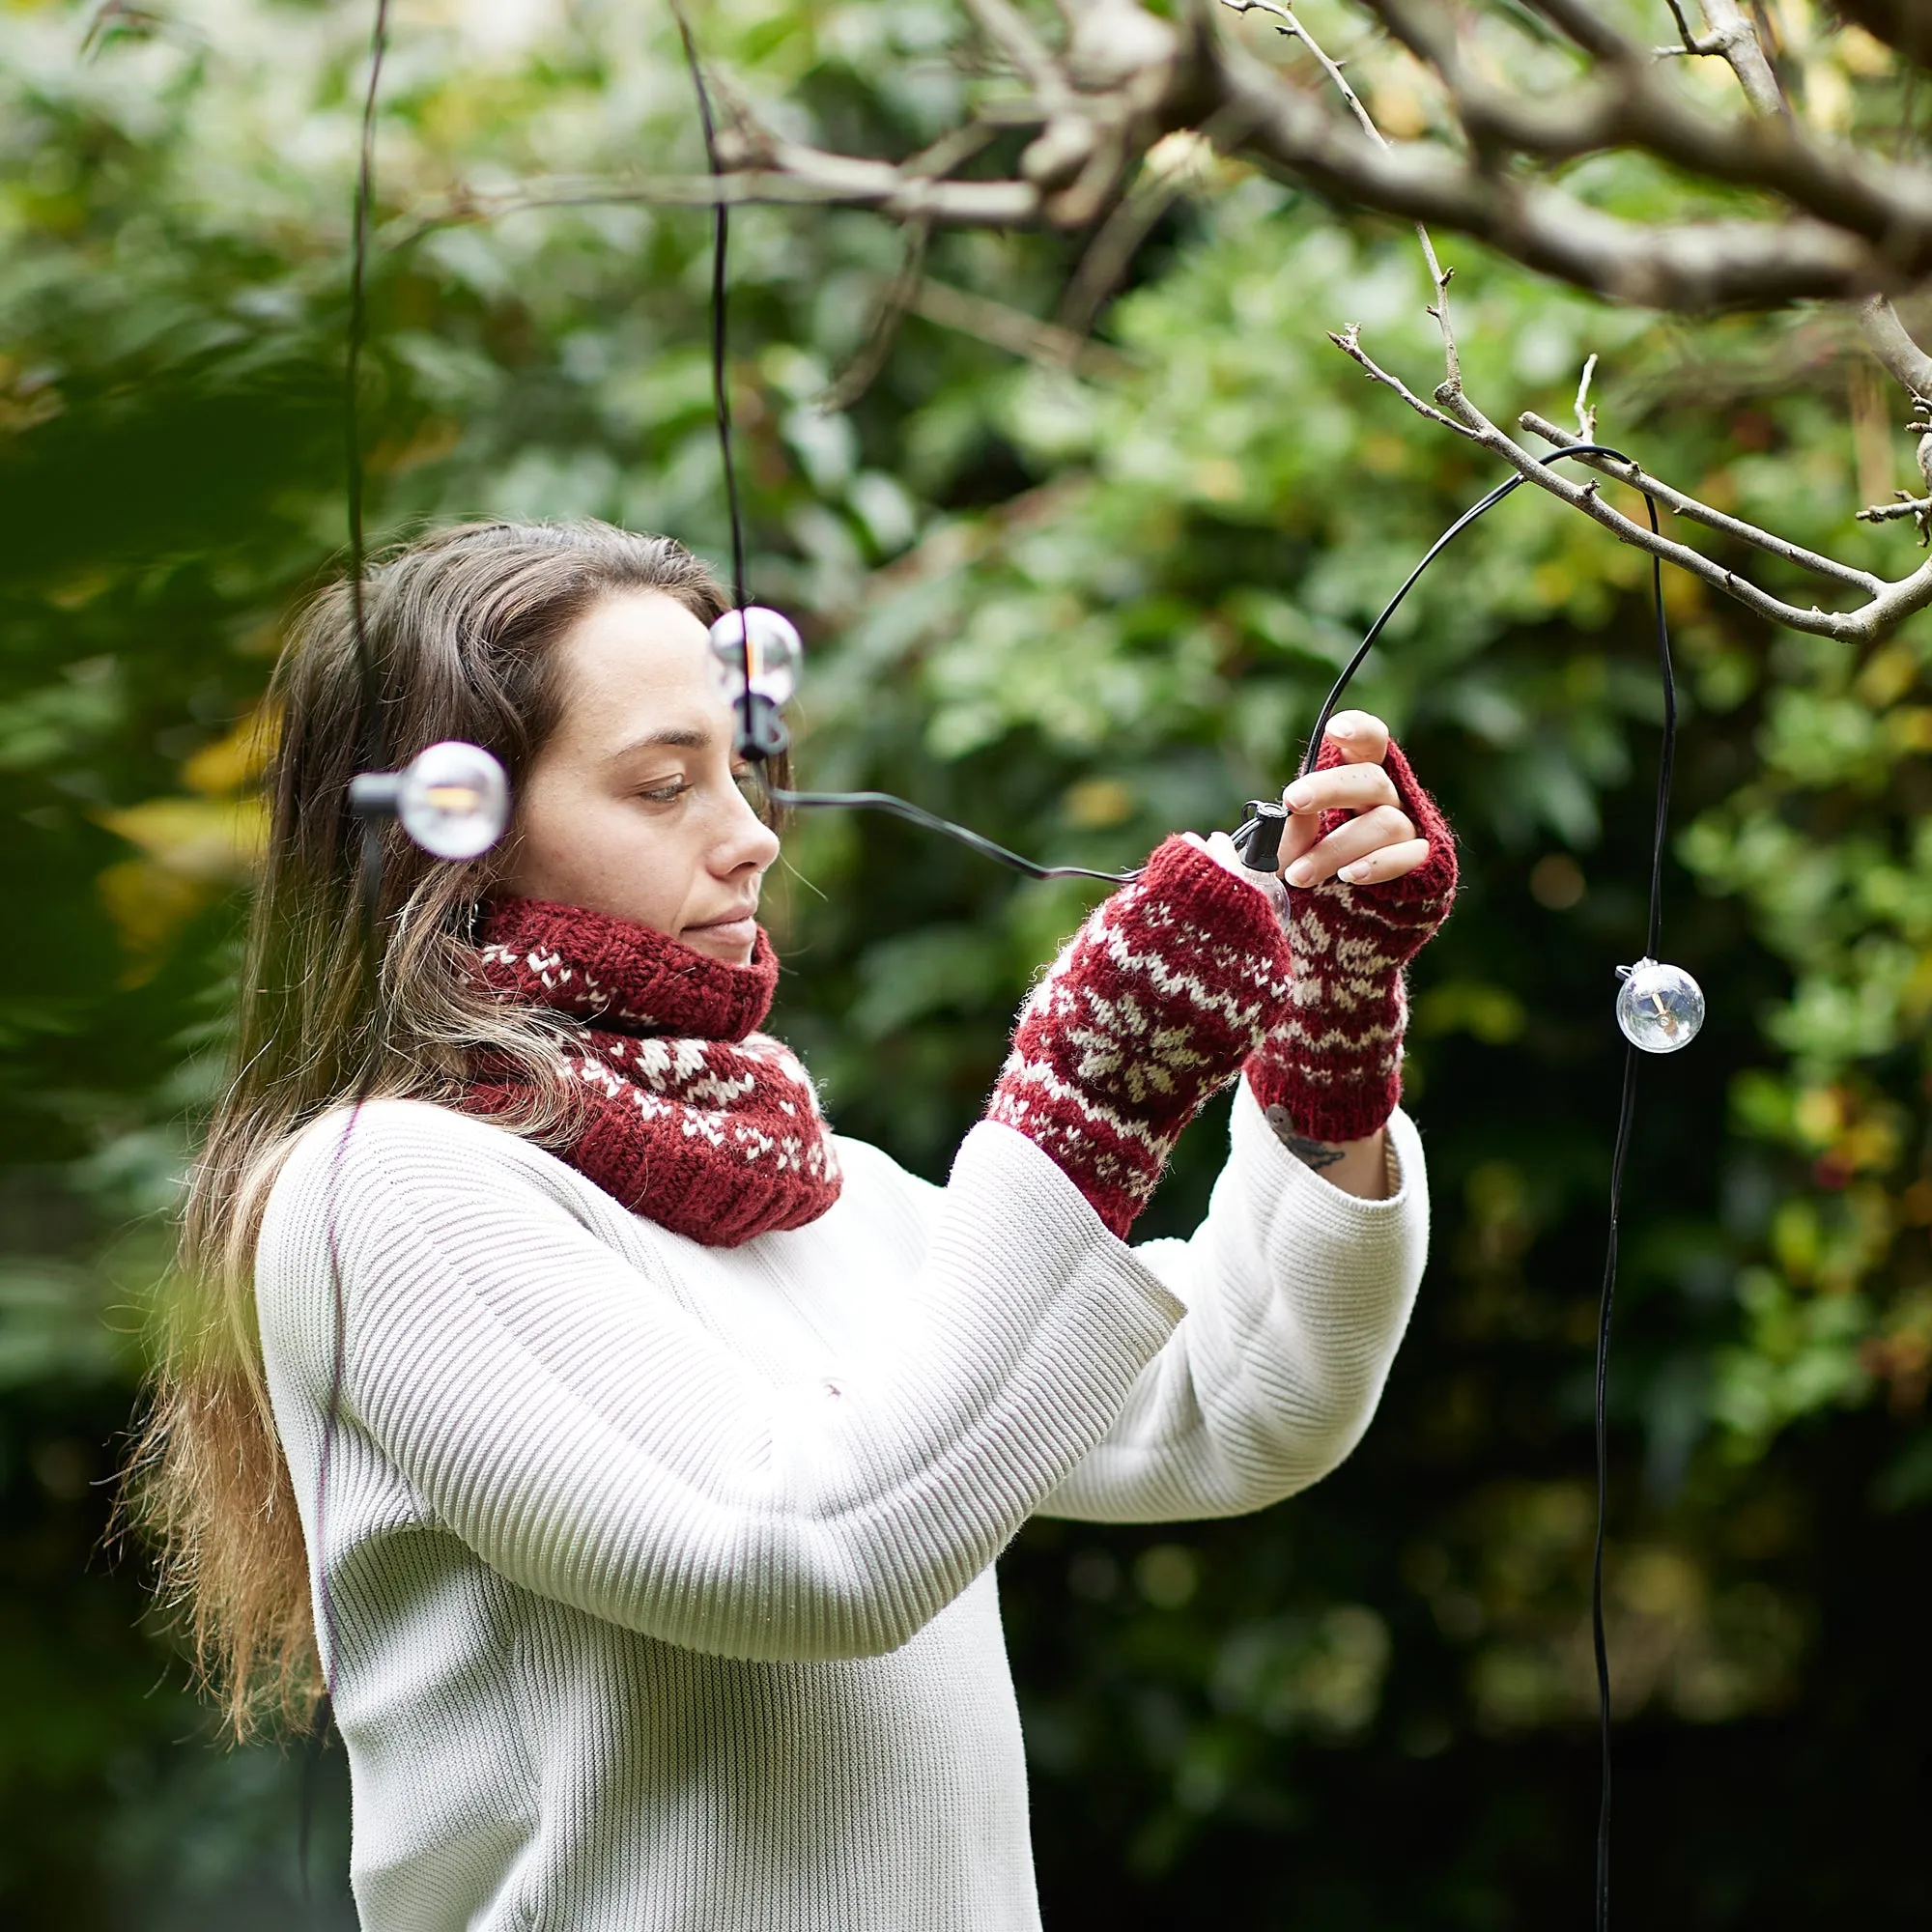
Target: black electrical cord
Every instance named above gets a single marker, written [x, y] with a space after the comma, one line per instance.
[1627, 1102]
[372, 753]
[748, 743]
[914, 814]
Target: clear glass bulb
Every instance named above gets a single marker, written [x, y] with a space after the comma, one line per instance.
[454, 800]
[775, 654]
[1659, 1007]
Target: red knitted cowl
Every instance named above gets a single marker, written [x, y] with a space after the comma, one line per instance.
[695, 1121]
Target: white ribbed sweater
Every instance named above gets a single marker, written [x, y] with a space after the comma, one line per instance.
[659, 1578]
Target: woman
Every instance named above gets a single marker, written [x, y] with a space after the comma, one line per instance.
[651, 1446]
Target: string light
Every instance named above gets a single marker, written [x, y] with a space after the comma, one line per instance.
[451, 798]
[1660, 1008]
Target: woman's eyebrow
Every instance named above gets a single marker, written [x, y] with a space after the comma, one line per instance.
[675, 738]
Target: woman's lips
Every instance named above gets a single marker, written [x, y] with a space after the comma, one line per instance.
[740, 930]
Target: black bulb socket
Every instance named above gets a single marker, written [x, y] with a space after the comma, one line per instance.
[1259, 842]
[761, 730]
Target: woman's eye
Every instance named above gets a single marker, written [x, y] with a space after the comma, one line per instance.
[665, 794]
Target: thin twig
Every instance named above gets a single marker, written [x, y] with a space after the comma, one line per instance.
[1586, 410]
[1917, 508]
[1289, 24]
[1349, 341]
[1162, 182]
[1286, 24]
[875, 351]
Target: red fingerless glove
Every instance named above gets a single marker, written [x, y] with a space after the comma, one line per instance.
[1331, 1070]
[1151, 1006]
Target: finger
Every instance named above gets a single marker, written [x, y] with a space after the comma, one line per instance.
[1386, 824]
[1391, 862]
[1361, 737]
[1219, 847]
[1223, 850]
[1300, 834]
[1342, 788]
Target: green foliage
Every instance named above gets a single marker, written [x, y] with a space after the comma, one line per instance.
[1075, 610]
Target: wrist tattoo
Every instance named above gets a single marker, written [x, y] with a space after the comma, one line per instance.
[1308, 1150]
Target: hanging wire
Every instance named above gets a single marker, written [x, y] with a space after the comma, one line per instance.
[372, 753]
[866, 801]
[1627, 1102]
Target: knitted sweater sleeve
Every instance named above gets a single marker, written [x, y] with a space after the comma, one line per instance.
[1298, 1295]
[591, 1439]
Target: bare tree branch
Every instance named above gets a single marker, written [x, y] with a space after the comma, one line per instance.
[1850, 226]
[1626, 104]
[1886, 603]
[1887, 338]
[1889, 603]
[1734, 40]
[1675, 500]
[800, 178]
[1840, 224]
[1015, 331]
[1691, 266]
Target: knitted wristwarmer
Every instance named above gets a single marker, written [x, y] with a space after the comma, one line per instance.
[1331, 1070]
[1150, 1006]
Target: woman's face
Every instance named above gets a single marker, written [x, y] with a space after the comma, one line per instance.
[633, 808]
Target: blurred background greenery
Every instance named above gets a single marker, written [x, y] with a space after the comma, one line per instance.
[1076, 595]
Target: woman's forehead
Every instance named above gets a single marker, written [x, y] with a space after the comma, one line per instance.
[633, 668]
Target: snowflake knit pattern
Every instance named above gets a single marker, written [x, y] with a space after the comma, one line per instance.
[1331, 1070]
[692, 1118]
[1150, 1006]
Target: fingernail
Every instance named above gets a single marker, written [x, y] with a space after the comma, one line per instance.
[1300, 873]
[1297, 797]
[1352, 873]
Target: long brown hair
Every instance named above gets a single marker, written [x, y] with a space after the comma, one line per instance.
[461, 627]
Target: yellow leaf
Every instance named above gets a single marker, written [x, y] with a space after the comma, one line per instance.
[238, 758]
[1098, 802]
[216, 840]
[149, 904]
[1909, 728]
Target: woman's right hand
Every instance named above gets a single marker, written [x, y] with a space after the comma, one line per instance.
[1150, 1007]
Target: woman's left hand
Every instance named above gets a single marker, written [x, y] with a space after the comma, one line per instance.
[1378, 842]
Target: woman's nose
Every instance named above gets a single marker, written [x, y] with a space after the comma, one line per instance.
[748, 840]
